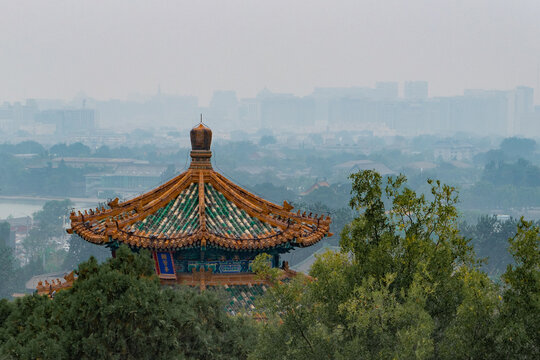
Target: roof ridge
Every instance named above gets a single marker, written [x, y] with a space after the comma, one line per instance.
[202, 216]
[247, 193]
[116, 208]
[252, 209]
[158, 203]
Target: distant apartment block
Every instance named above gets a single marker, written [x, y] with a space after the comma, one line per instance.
[97, 138]
[224, 108]
[114, 176]
[16, 115]
[161, 110]
[524, 100]
[69, 121]
[124, 180]
[415, 90]
[387, 90]
[486, 112]
[448, 152]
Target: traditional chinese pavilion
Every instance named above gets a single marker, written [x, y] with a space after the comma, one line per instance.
[202, 229]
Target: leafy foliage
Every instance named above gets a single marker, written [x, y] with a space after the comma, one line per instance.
[518, 147]
[48, 227]
[520, 173]
[490, 239]
[81, 250]
[73, 150]
[518, 331]
[7, 261]
[406, 284]
[118, 310]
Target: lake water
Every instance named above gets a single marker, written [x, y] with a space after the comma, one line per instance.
[26, 207]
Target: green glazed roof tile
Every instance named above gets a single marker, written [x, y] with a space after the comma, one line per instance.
[179, 216]
[225, 218]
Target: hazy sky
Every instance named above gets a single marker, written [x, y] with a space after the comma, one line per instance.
[111, 48]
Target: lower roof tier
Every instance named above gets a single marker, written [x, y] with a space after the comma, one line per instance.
[199, 208]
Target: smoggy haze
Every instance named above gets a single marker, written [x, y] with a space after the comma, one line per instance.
[54, 49]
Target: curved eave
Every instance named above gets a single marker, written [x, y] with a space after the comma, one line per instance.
[149, 241]
[103, 226]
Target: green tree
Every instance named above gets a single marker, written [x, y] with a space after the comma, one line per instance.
[267, 140]
[289, 332]
[5, 230]
[103, 151]
[48, 227]
[518, 147]
[470, 332]
[7, 262]
[50, 219]
[59, 150]
[393, 291]
[119, 310]
[81, 250]
[29, 147]
[521, 173]
[78, 149]
[11, 173]
[518, 330]
[490, 239]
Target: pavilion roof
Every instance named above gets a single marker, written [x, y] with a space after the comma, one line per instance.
[199, 207]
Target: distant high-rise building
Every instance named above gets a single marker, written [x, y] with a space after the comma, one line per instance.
[285, 110]
[249, 113]
[344, 92]
[387, 90]
[224, 107]
[415, 90]
[69, 121]
[524, 97]
[538, 84]
[13, 116]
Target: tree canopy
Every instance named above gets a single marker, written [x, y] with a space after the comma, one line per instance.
[118, 310]
[7, 261]
[49, 223]
[518, 147]
[406, 284]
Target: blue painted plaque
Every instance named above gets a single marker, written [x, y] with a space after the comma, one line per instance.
[164, 265]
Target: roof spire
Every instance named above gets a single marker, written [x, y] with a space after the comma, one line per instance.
[201, 140]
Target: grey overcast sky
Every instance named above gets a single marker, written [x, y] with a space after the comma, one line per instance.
[111, 48]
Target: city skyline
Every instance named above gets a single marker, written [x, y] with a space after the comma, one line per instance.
[81, 95]
[379, 108]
